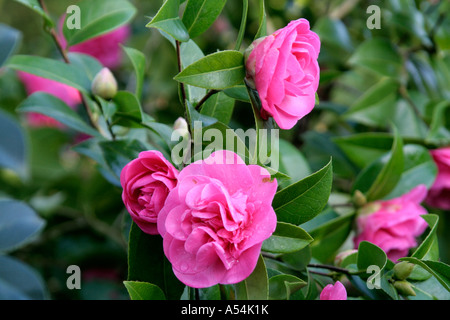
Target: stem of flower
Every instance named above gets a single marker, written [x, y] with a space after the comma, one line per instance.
[242, 26]
[180, 68]
[206, 97]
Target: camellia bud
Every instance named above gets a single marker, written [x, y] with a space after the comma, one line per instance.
[180, 124]
[359, 199]
[104, 84]
[404, 288]
[402, 270]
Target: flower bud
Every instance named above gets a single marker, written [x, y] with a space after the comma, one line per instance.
[104, 84]
[402, 270]
[359, 199]
[342, 256]
[404, 288]
[180, 124]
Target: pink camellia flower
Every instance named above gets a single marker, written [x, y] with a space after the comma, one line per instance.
[283, 68]
[334, 292]
[214, 222]
[105, 48]
[34, 83]
[439, 193]
[146, 182]
[394, 224]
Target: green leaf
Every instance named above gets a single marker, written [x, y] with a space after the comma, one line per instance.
[238, 92]
[36, 7]
[419, 168]
[381, 177]
[51, 69]
[438, 122]
[380, 56]
[282, 286]
[19, 225]
[138, 60]
[12, 145]
[439, 270]
[375, 105]
[98, 18]
[219, 106]
[89, 65]
[370, 254]
[143, 291]
[9, 42]
[19, 281]
[199, 15]
[362, 148]
[167, 20]
[287, 238]
[262, 29]
[220, 70]
[330, 236]
[53, 107]
[293, 163]
[147, 263]
[190, 52]
[256, 286]
[305, 199]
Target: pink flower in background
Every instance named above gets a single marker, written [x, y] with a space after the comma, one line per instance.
[439, 193]
[105, 48]
[334, 292]
[394, 224]
[215, 220]
[283, 68]
[146, 182]
[33, 84]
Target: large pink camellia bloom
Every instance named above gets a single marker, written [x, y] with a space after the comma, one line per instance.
[105, 48]
[283, 68]
[214, 222]
[146, 182]
[334, 292]
[439, 193]
[33, 83]
[394, 224]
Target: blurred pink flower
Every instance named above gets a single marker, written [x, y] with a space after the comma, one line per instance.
[146, 182]
[439, 193]
[33, 83]
[394, 224]
[283, 68]
[105, 48]
[214, 222]
[334, 292]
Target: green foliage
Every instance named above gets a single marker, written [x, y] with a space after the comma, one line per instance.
[382, 105]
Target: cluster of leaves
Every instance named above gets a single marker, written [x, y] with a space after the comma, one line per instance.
[399, 72]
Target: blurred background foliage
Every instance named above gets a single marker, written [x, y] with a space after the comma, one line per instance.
[369, 79]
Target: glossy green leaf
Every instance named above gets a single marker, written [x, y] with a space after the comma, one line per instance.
[381, 177]
[378, 55]
[293, 163]
[168, 20]
[13, 153]
[190, 52]
[376, 105]
[98, 19]
[419, 168]
[52, 69]
[370, 254]
[282, 286]
[9, 41]
[137, 59]
[287, 238]
[36, 7]
[57, 109]
[238, 92]
[199, 15]
[305, 199]
[363, 148]
[219, 106]
[19, 225]
[220, 70]
[147, 263]
[256, 286]
[143, 291]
